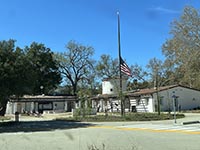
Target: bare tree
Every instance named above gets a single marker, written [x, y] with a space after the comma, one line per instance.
[139, 78]
[156, 72]
[76, 63]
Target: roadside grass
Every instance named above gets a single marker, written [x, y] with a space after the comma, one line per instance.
[103, 147]
[192, 111]
[3, 118]
[110, 117]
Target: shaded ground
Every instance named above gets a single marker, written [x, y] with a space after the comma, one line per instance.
[35, 126]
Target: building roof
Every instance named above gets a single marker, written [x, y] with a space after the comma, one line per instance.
[114, 78]
[154, 90]
[139, 92]
[104, 96]
[42, 98]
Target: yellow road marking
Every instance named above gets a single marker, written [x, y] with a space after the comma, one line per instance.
[147, 129]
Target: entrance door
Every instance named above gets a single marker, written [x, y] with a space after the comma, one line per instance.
[133, 109]
[70, 106]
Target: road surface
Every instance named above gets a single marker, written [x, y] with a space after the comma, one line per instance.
[53, 135]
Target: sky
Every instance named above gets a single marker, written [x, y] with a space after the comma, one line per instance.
[144, 25]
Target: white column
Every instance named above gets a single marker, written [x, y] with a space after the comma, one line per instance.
[36, 106]
[9, 108]
[32, 107]
[101, 105]
[77, 104]
[65, 106]
[15, 107]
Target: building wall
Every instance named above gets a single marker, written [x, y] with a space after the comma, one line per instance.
[110, 104]
[186, 98]
[112, 86]
[142, 104]
[30, 107]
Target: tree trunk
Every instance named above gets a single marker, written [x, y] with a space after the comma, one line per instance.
[74, 85]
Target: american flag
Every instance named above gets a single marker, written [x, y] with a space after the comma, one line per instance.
[124, 67]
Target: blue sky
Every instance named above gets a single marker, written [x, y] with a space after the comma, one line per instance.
[145, 24]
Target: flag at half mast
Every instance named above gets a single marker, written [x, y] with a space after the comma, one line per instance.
[124, 67]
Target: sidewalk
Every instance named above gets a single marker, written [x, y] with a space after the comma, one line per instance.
[43, 117]
[189, 117]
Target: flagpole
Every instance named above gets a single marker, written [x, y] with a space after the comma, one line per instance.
[120, 72]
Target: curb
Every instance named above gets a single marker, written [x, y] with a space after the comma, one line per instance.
[190, 122]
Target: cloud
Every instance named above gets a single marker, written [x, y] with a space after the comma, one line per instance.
[164, 10]
[156, 13]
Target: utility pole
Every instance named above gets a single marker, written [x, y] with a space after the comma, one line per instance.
[120, 72]
[174, 104]
[157, 96]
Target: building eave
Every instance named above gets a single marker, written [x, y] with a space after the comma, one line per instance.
[42, 98]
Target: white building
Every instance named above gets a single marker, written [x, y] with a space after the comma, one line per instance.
[41, 103]
[108, 100]
[183, 98]
[145, 100]
[112, 86]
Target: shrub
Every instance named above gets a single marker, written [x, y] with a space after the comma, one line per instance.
[128, 117]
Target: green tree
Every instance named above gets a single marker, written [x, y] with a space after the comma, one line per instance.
[76, 64]
[7, 58]
[43, 68]
[139, 78]
[21, 73]
[107, 67]
[182, 49]
[13, 75]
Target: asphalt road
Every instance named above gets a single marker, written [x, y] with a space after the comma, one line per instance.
[51, 135]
